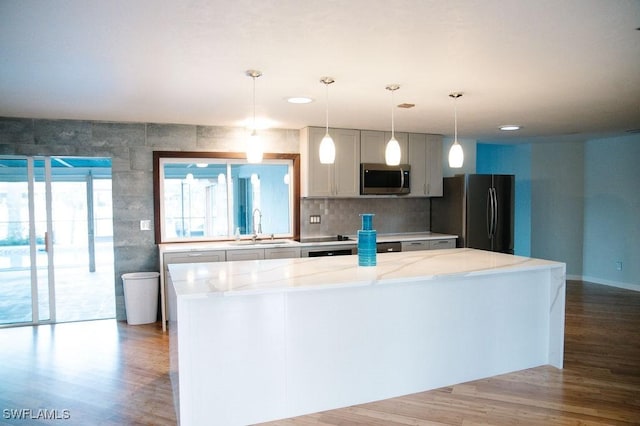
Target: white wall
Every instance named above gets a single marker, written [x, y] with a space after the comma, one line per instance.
[557, 203]
[612, 211]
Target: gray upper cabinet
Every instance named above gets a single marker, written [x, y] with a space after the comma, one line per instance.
[373, 144]
[341, 179]
[425, 158]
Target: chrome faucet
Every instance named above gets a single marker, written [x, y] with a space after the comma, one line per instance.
[257, 231]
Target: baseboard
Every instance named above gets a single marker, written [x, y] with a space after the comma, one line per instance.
[627, 286]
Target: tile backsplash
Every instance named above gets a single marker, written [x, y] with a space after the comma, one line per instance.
[342, 215]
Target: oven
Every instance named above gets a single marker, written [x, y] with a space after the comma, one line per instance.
[325, 249]
[388, 247]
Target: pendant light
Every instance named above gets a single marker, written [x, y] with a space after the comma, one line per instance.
[327, 147]
[392, 151]
[254, 147]
[456, 155]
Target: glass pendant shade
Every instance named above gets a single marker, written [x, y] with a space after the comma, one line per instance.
[392, 152]
[456, 156]
[327, 150]
[254, 148]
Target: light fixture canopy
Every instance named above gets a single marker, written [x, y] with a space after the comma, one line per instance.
[327, 146]
[392, 151]
[254, 148]
[456, 155]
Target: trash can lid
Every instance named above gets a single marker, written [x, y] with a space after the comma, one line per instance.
[140, 275]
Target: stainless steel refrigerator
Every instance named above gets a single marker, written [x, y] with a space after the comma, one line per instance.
[477, 208]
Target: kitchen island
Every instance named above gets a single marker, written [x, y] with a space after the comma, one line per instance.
[253, 341]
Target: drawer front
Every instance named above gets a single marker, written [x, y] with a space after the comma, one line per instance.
[250, 254]
[195, 257]
[415, 245]
[282, 253]
[442, 244]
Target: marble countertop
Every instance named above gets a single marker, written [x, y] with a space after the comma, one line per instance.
[277, 275]
[266, 243]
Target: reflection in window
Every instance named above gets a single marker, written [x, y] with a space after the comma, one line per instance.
[223, 198]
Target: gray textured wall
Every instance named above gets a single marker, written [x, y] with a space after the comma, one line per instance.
[130, 146]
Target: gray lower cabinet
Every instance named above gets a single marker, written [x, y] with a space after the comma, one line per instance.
[442, 244]
[281, 252]
[245, 254]
[415, 245]
[194, 257]
[266, 253]
[429, 244]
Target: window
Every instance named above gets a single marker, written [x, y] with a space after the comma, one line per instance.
[207, 197]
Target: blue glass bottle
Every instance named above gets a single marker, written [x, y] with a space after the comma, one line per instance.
[367, 241]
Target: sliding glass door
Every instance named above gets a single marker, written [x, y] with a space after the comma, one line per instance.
[25, 295]
[56, 245]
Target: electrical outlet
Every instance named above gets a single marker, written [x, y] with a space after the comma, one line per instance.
[314, 219]
[145, 225]
[619, 265]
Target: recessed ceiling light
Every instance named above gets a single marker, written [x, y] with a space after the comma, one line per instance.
[510, 127]
[299, 100]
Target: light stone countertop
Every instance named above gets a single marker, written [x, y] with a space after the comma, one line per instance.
[299, 274]
[266, 243]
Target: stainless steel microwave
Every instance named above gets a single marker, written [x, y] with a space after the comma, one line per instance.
[380, 179]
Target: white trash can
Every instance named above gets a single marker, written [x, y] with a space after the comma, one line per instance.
[141, 297]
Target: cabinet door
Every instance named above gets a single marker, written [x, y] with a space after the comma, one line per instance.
[425, 157]
[316, 178]
[347, 166]
[434, 166]
[245, 254]
[415, 245]
[374, 143]
[194, 257]
[418, 149]
[442, 244]
[282, 253]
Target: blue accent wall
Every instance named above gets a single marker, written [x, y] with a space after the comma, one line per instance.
[515, 160]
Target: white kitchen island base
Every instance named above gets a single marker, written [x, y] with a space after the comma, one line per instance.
[264, 340]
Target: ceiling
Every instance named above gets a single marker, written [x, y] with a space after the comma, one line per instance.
[560, 68]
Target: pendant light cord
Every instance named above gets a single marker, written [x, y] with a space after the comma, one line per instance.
[254, 105]
[326, 86]
[455, 119]
[392, 118]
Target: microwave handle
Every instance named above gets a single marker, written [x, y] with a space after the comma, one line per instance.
[401, 178]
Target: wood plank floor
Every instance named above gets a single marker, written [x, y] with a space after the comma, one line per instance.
[109, 373]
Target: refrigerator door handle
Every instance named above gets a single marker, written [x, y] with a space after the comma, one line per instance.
[495, 212]
[489, 213]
